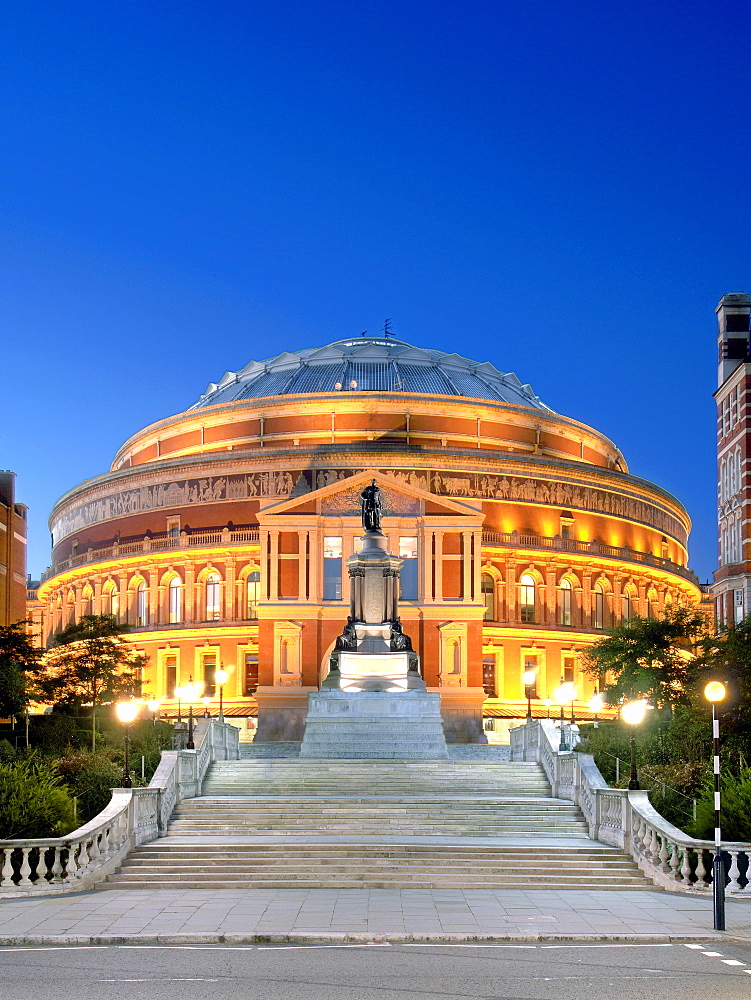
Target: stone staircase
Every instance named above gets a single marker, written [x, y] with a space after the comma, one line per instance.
[466, 823]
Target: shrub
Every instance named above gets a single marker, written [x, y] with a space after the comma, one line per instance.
[90, 777]
[33, 802]
[735, 801]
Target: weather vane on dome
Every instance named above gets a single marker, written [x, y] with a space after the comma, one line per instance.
[387, 328]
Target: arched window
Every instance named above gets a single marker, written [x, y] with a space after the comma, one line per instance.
[142, 608]
[252, 595]
[110, 599]
[565, 603]
[487, 587]
[87, 601]
[598, 609]
[627, 606]
[175, 600]
[213, 597]
[527, 598]
[651, 604]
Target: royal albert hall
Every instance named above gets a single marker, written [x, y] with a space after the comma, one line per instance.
[221, 534]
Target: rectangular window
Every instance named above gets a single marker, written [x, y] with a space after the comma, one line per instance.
[531, 663]
[332, 568]
[250, 678]
[739, 616]
[569, 669]
[488, 675]
[408, 575]
[170, 670]
[209, 670]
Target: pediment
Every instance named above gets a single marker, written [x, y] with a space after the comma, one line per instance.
[341, 498]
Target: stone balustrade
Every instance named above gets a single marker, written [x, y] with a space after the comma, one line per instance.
[627, 820]
[85, 857]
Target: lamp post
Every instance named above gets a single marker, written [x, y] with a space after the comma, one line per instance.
[190, 693]
[221, 677]
[529, 679]
[715, 692]
[565, 692]
[547, 703]
[632, 714]
[596, 705]
[153, 707]
[126, 713]
[179, 695]
[206, 702]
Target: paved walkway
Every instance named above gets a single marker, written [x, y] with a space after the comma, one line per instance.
[196, 916]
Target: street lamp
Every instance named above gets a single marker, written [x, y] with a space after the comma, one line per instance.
[529, 679]
[153, 707]
[126, 713]
[596, 705]
[179, 695]
[565, 692]
[633, 713]
[221, 677]
[190, 692]
[547, 703]
[206, 702]
[715, 692]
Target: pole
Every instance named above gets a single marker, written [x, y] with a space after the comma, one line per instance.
[718, 868]
[221, 708]
[528, 689]
[127, 782]
[562, 744]
[633, 783]
[190, 745]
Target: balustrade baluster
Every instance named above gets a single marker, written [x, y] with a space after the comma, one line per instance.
[57, 865]
[654, 844]
[7, 872]
[675, 861]
[25, 866]
[734, 873]
[686, 868]
[702, 874]
[94, 851]
[83, 856]
[71, 865]
[663, 856]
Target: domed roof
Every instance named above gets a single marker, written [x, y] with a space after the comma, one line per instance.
[370, 364]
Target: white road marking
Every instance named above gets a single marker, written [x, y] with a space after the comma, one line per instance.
[156, 979]
[712, 954]
[698, 947]
[732, 961]
[319, 947]
[416, 944]
[59, 947]
[655, 945]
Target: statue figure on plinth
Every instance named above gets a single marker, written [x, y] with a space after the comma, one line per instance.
[372, 507]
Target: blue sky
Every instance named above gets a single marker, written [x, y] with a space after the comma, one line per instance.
[559, 188]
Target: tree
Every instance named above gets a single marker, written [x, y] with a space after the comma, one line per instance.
[726, 657]
[19, 657]
[90, 664]
[647, 657]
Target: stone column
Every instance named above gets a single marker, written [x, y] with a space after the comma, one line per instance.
[585, 613]
[615, 612]
[512, 603]
[274, 581]
[551, 574]
[97, 603]
[467, 565]
[438, 592]
[190, 593]
[155, 604]
[427, 567]
[302, 580]
[229, 589]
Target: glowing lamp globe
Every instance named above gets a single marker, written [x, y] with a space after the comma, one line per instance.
[221, 676]
[153, 705]
[565, 693]
[714, 691]
[126, 711]
[529, 677]
[596, 703]
[633, 712]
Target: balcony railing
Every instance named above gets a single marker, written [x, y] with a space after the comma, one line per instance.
[516, 540]
[156, 543]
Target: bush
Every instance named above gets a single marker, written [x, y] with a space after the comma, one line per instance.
[33, 802]
[90, 777]
[735, 801]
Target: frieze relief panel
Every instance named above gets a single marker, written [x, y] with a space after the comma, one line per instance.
[292, 484]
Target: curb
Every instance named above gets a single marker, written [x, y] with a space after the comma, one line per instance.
[146, 940]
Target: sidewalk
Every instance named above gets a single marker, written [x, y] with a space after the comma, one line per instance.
[191, 916]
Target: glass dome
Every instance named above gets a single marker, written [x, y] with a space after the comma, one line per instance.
[370, 364]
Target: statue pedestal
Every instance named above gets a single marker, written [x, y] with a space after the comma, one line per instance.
[374, 725]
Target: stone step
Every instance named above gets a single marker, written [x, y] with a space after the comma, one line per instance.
[550, 883]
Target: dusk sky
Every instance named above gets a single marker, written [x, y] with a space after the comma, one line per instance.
[559, 188]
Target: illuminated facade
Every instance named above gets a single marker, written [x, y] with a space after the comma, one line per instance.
[732, 581]
[12, 552]
[221, 534]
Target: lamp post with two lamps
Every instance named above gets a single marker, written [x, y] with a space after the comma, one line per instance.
[221, 677]
[632, 714]
[564, 693]
[528, 677]
[715, 692]
[126, 713]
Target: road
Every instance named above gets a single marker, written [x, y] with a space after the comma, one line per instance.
[378, 972]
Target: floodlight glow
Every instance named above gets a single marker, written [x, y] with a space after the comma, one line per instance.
[715, 691]
[126, 711]
[633, 712]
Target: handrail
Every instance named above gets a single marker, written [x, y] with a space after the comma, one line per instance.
[85, 857]
[626, 819]
[158, 542]
[515, 539]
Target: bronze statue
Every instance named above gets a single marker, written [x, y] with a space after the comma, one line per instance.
[372, 507]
